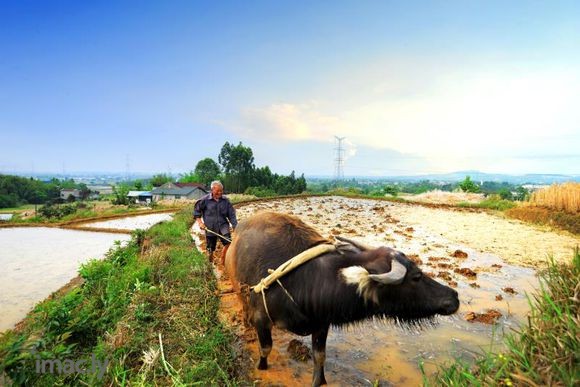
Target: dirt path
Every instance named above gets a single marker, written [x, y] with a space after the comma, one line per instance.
[432, 236]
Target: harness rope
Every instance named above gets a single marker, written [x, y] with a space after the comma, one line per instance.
[286, 268]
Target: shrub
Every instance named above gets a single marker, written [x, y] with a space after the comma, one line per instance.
[468, 186]
[505, 194]
[50, 211]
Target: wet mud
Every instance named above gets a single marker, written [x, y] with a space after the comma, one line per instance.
[492, 295]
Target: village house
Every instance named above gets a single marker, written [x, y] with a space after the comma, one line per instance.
[68, 192]
[140, 197]
[179, 191]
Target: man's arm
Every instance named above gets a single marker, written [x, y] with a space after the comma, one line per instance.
[232, 215]
[198, 213]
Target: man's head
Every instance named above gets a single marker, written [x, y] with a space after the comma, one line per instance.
[217, 189]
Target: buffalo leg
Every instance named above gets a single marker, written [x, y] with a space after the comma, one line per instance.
[319, 350]
[264, 331]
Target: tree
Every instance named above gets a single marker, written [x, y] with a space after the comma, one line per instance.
[85, 192]
[160, 179]
[289, 185]
[207, 170]
[190, 177]
[391, 189]
[263, 177]
[522, 193]
[505, 194]
[468, 186]
[8, 200]
[120, 194]
[300, 185]
[238, 164]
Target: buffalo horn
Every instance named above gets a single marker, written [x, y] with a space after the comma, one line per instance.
[393, 277]
[358, 245]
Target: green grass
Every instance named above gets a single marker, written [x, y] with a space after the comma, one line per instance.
[19, 209]
[546, 351]
[152, 315]
[491, 203]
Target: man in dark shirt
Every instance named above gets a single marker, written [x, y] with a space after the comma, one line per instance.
[215, 213]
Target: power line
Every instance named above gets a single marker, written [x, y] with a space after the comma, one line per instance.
[127, 168]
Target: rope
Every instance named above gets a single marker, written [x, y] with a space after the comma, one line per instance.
[286, 291]
[266, 307]
[291, 264]
[285, 268]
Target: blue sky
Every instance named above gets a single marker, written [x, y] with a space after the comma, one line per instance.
[414, 86]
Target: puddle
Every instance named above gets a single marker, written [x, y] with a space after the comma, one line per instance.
[381, 352]
[38, 261]
[131, 223]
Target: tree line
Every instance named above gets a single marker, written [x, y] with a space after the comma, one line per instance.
[237, 171]
[16, 191]
[381, 187]
[235, 168]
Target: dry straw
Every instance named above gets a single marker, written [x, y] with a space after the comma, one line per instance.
[564, 197]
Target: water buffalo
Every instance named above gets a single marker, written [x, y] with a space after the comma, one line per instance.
[348, 284]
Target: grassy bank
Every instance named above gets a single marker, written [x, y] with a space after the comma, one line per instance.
[149, 310]
[545, 352]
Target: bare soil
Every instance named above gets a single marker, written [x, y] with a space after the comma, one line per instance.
[411, 229]
[516, 242]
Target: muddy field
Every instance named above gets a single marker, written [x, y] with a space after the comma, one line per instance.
[487, 259]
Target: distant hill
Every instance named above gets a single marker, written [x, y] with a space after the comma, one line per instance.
[476, 176]
[496, 177]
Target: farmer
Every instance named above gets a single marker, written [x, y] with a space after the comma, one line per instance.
[214, 214]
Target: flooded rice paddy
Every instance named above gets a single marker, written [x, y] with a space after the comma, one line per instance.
[131, 223]
[36, 261]
[381, 351]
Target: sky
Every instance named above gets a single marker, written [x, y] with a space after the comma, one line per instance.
[414, 87]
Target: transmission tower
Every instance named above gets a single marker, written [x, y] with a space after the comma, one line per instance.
[127, 167]
[339, 160]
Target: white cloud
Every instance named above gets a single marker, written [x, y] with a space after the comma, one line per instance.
[286, 121]
[460, 120]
